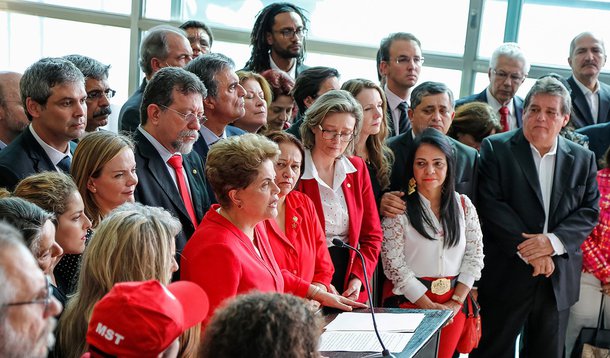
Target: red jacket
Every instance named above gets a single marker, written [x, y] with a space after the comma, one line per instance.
[222, 260]
[364, 226]
[302, 250]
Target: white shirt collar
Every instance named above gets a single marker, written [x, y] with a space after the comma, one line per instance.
[393, 99]
[342, 167]
[493, 102]
[2, 145]
[553, 150]
[292, 72]
[585, 90]
[54, 155]
[210, 137]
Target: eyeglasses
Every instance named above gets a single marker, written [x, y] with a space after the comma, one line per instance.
[289, 33]
[514, 77]
[330, 135]
[46, 300]
[403, 60]
[188, 117]
[97, 94]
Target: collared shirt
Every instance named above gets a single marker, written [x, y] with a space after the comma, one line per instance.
[210, 137]
[393, 101]
[292, 72]
[165, 155]
[545, 166]
[336, 216]
[2, 145]
[54, 155]
[493, 102]
[592, 98]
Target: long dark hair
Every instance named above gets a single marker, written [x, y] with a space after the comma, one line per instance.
[418, 217]
[259, 59]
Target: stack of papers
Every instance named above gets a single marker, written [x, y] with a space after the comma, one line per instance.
[353, 332]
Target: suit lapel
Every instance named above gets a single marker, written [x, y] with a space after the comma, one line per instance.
[194, 175]
[348, 192]
[564, 162]
[523, 154]
[579, 103]
[604, 104]
[518, 106]
[391, 123]
[40, 159]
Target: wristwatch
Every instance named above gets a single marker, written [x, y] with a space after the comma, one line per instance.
[457, 299]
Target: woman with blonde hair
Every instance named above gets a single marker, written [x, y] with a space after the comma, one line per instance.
[373, 133]
[340, 187]
[55, 192]
[133, 243]
[256, 101]
[104, 169]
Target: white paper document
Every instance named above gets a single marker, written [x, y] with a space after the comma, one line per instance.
[362, 341]
[386, 322]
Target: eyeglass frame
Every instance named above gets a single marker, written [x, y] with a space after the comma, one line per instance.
[403, 60]
[288, 34]
[501, 74]
[199, 119]
[46, 301]
[108, 93]
[335, 134]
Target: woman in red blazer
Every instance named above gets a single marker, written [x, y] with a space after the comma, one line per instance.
[295, 234]
[340, 188]
[229, 253]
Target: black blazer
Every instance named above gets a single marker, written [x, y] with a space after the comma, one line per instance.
[129, 117]
[24, 157]
[156, 187]
[482, 97]
[467, 160]
[510, 203]
[581, 112]
[599, 138]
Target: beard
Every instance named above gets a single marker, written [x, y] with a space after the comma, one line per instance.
[184, 145]
[16, 345]
[286, 53]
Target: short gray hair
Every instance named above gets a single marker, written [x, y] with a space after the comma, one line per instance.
[511, 50]
[553, 87]
[91, 68]
[10, 238]
[334, 101]
[154, 45]
[207, 66]
[429, 88]
[43, 75]
[26, 217]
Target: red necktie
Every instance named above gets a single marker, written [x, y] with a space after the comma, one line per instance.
[504, 118]
[176, 163]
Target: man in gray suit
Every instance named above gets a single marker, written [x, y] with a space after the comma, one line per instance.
[590, 97]
[538, 201]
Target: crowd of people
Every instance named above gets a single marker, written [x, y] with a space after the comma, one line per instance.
[216, 220]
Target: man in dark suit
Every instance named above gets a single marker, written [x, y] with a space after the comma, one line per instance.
[400, 62]
[508, 69]
[431, 106]
[12, 115]
[171, 112]
[590, 97]
[310, 85]
[599, 138]
[538, 201]
[163, 46]
[53, 93]
[277, 40]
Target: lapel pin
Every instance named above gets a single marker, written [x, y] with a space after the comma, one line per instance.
[349, 185]
[194, 171]
[294, 224]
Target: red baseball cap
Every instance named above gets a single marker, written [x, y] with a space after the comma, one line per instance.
[138, 319]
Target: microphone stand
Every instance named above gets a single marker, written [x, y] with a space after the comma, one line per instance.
[385, 352]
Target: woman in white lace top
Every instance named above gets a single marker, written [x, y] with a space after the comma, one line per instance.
[433, 253]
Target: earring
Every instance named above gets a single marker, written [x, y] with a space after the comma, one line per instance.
[412, 186]
[239, 205]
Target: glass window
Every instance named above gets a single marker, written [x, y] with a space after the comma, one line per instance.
[115, 6]
[492, 27]
[367, 25]
[45, 37]
[537, 27]
[158, 9]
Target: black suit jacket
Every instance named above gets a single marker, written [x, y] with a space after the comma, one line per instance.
[129, 117]
[156, 187]
[482, 97]
[581, 112]
[510, 203]
[599, 138]
[24, 157]
[467, 160]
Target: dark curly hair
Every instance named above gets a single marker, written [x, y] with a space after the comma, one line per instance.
[259, 58]
[270, 325]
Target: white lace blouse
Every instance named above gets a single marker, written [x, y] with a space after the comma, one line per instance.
[407, 255]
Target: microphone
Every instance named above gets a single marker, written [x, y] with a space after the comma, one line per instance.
[385, 352]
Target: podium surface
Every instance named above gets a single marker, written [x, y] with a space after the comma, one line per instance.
[424, 342]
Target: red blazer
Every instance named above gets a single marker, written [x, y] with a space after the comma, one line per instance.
[364, 226]
[302, 250]
[222, 260]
